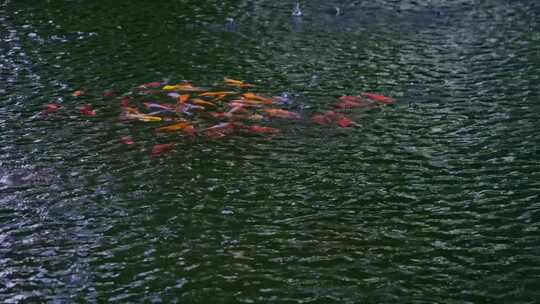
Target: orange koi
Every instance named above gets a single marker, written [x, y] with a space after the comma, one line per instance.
[349, 102]
[131, 110]
[189, 88]
[78, 93]
[140, 117]
[219, 97]
[280, 113]
[380, 98]
[175, 127]
[204, 103]
[252, 96]
[216, 94]
[242, 104]
[237, 83]
[184, 98]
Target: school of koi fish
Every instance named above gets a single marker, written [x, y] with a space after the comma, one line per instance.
[227, 109]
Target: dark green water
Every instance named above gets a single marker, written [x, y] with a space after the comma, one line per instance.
[433, 200]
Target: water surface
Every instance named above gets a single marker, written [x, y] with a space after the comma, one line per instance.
[435, 199]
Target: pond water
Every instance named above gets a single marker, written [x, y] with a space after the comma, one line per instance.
[433, 199]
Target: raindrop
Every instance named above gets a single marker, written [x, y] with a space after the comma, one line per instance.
[297, 12]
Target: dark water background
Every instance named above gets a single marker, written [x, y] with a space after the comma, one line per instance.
[433, 200]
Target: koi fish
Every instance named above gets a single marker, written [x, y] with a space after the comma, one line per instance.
[219, 97]
[186, 107]
[181, 126]
[344, 122]
[379, 98]
[78, 93]
[166, 107]
[125, 102]
[350, 102]
[151, 85]
[216, 94]
[322, 119]
[187, 87]
[218, 115]
[220, 126]
[87, 110]
[280, 113]
[162, 149]
[255, 117]
[52, 107]
[251, 101]
[127, 140]
[242, 104]
[237, 83]
[252, 96]
[173, 95]
[184, 98]
[131, 110]
[220, 130]
[216, 134]
[352, 98]
[140, 117]
[204, 103]
[261, 129]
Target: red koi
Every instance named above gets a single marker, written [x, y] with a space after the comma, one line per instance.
[218, 115]
[124, 103]
[162, 149]
[325, 119]
[379, 98]
[127, 140]
[87, 110]
[52, 107]
[344, 122]
[261, 129]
